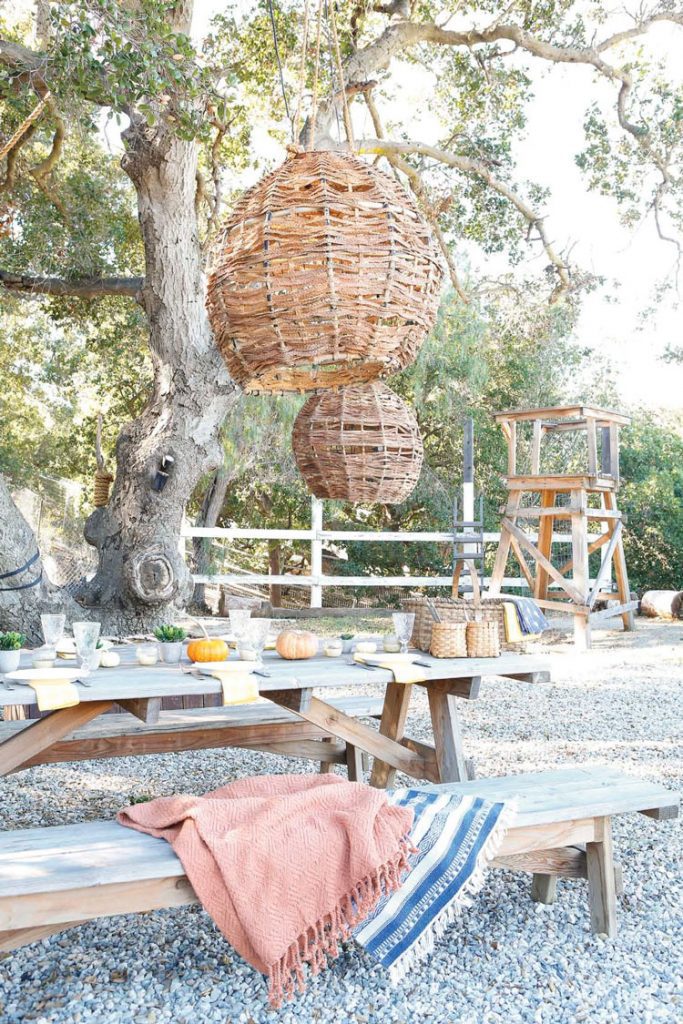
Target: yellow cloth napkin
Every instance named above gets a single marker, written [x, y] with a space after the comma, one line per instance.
[513, 630]
[239, 686]
[53, 694]
[403, 671]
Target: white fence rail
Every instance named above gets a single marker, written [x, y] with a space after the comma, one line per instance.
[317, 536]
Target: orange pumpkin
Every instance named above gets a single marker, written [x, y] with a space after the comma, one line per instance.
[207, 649]
[296, 643]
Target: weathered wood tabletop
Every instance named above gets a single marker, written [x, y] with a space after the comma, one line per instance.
[139, 689]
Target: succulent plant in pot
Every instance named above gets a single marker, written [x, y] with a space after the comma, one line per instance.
[347, 642]
[170, 643]
[10, 650]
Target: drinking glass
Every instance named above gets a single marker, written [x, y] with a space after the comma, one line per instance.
[86, 635]
[253, 639]
[53, 628]
[403, 627]
[239, 621]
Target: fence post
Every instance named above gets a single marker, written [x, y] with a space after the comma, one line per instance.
[468, 487]
[316, 551]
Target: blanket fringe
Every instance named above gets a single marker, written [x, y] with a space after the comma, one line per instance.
[320, 941]
[427, 941]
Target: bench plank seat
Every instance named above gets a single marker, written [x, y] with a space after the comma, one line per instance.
[52, 878]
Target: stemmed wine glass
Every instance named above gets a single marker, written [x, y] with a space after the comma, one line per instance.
[86, 635]
[403, 627]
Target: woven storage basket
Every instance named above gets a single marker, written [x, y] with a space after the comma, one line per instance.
[456, 609]
[361, 443]
[449, 640]
[325, 275]
[483, 640]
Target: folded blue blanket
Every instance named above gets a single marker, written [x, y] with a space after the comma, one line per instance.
[531, 618]
[455, 836]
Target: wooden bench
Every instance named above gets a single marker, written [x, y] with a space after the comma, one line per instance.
[260, 726]
[55, 878]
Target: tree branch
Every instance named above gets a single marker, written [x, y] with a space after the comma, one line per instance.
[420, 191]
[477, 169]
[81, 288]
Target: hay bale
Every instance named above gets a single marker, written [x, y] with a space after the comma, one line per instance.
[662, 604]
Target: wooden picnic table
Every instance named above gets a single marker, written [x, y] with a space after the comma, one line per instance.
[302, 687]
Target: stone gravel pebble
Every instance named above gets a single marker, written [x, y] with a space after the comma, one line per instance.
[507, 960]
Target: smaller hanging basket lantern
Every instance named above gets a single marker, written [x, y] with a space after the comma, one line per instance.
[361, 443]
[326, 275]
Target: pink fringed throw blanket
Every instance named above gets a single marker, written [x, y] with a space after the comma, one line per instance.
[286, 865]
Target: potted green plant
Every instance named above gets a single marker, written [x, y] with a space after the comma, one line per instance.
[170, 643]
[10, 650]
[347, 642]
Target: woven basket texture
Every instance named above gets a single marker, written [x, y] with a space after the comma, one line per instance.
[449, 640]
[454, 610]
[325, 275]
[361, 443]
[483, 640]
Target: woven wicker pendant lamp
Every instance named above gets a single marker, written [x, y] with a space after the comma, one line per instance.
[326, 275]
[361, 443]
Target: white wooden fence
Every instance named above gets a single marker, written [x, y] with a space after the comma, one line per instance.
[316, 536]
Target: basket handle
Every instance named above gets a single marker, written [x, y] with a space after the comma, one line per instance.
[474, 576]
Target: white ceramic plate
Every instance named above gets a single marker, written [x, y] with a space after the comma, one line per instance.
[25, 675]
[388, 658]
[207, 668]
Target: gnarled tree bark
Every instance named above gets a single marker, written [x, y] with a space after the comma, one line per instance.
[142, 578]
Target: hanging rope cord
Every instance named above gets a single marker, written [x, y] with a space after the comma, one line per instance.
[277, 58]
[348, 127]
[296, 120]
[316, 76]
[302, 78]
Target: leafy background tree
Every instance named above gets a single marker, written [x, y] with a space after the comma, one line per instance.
[101, 256]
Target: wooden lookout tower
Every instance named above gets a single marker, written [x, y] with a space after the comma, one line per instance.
[575, 501]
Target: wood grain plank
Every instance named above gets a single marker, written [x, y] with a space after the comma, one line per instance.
[43, 732]
[392, 724]
[450, 758]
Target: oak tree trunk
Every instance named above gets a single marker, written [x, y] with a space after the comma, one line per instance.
[142, 578]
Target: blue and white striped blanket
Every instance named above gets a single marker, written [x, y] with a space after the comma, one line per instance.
[455, 837]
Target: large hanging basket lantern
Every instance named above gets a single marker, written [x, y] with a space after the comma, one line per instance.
[361, 443]
[325, 275]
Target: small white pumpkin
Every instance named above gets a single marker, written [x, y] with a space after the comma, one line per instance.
[109, 659]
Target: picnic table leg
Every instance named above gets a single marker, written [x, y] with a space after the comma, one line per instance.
[447, 736]
[601, 881]
[35, 738]
[326, 766]
[354, 763]
[392, 725]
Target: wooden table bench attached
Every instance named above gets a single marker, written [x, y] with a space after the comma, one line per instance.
[55, 878]
[260, 726]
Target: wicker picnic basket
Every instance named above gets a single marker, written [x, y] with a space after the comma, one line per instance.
[456, 610]
[483, 639]
[326, 274]
[449, 640]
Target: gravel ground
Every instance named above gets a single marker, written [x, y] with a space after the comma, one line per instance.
[506, 960]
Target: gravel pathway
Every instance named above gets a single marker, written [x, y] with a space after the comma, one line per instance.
[506, 960]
